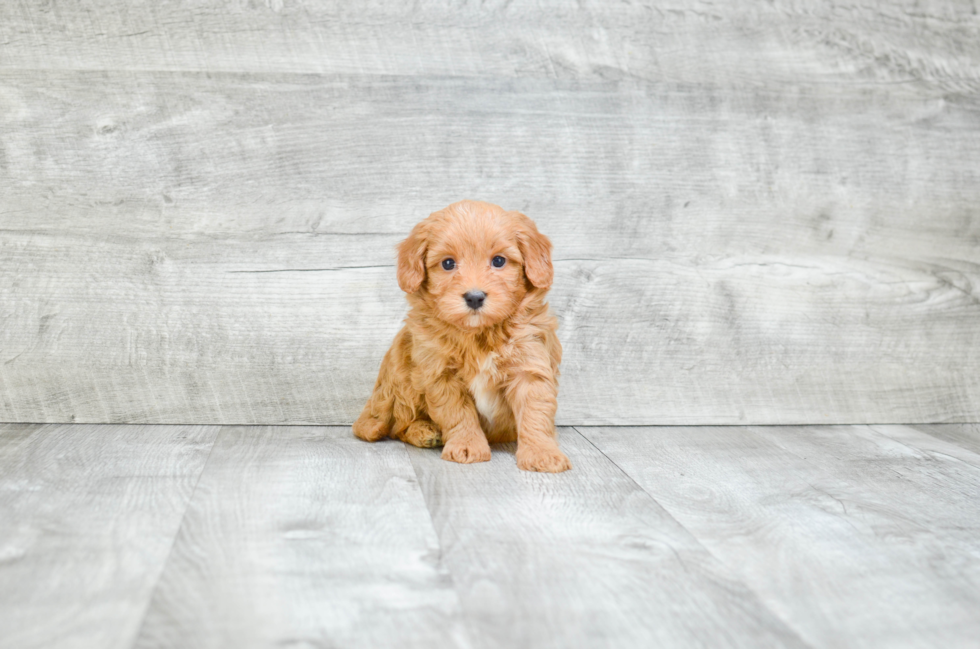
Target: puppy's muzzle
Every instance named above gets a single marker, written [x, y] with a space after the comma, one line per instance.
[474, 299]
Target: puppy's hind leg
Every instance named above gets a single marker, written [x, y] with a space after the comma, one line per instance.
[370, 427]
[376, 418]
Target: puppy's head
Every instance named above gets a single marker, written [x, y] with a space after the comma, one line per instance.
[473, 263]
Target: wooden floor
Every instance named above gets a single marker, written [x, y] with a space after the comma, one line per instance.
[200, 536]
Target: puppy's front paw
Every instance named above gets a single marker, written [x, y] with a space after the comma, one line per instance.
[467, 450]
[544, 460]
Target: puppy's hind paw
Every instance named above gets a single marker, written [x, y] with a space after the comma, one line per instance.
[423, 434]
[371, 429]
[466, 451]
[542, 460]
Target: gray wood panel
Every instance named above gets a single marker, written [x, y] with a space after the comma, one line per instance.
[88, 515]
[183, 331]
[763, 214]
[302, 536]
[584, 558]
[852, 536]
[711, 41]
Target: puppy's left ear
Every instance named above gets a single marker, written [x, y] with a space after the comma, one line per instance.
[411, 259]
[536, 249]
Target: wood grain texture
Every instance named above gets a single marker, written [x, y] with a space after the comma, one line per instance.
[762, 214]
[712, 41]
[88, 515]
[836, 537]
[584, 558]
[851, 535]
[966, 436]
[304, 537]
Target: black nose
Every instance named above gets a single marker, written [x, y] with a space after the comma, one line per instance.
[474, 299]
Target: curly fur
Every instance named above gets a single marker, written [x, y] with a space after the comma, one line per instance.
[465, 378]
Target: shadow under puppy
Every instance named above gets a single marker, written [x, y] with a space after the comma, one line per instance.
[477, 360]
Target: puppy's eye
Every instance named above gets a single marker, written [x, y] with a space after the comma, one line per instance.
[498, 262]
[448, 264]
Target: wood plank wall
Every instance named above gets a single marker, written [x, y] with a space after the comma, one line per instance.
[762, 212]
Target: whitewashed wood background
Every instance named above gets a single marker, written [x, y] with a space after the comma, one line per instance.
[763, 212]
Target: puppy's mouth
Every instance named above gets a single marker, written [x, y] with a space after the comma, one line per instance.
[474, 320]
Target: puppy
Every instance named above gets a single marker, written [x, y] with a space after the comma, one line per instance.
[477, 360]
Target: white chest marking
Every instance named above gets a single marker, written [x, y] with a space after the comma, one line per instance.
[486, 396]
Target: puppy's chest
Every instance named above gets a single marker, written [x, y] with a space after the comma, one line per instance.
[485, 387]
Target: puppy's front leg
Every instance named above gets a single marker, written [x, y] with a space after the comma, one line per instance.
[453, 410]
[534, 401]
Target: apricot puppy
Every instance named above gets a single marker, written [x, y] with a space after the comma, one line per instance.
[477, 360]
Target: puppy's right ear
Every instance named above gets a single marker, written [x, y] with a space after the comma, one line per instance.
[411, 259]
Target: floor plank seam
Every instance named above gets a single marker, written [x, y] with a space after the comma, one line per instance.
[173, 542]
[635, 483]
[435, 532]
[748, 587]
